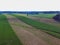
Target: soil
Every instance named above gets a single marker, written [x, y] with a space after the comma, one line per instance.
[29, 35]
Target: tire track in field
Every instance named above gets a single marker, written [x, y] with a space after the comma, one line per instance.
[26, 37]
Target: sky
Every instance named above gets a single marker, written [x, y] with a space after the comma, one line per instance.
[29, 5]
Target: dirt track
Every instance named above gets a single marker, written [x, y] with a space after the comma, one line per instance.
[29, 35]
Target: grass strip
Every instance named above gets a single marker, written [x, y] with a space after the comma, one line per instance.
[7, 35]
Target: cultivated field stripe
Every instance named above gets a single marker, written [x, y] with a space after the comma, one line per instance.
[45, 20]
[7, 35]
[25, 36]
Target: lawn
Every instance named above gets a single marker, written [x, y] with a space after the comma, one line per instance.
[7, 35]
[55, 31]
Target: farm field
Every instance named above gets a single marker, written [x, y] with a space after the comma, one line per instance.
[28, 34]
[25, 36]
[7, 35]
[26, 30]
[55, 31]
[45, 20]
[45, 15]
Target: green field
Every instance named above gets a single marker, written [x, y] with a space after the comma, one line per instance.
[39, 15]
[44, 15]
[50, 29]
[12, 29]
[7, 35]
